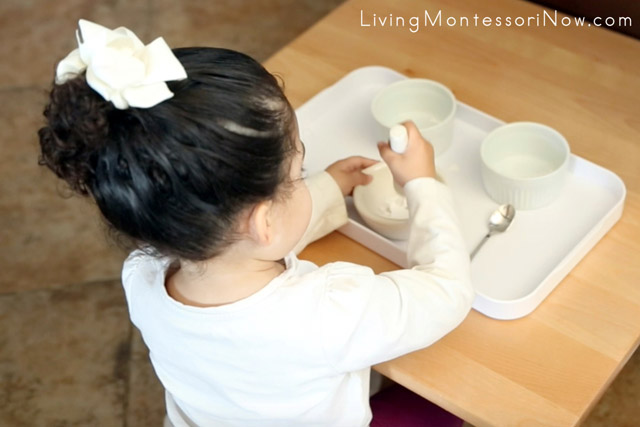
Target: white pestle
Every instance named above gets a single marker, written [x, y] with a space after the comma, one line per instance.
[398, 138]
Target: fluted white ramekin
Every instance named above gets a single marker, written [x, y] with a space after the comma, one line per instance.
[524, 164]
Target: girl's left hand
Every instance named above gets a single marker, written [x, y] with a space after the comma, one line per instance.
[348, 173]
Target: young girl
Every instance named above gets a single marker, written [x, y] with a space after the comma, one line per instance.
[194, 154]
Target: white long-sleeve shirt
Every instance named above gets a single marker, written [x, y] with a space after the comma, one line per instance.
[299, 351]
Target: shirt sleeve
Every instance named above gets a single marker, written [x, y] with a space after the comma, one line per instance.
[367, 318]
[128, 270]
[329, 210]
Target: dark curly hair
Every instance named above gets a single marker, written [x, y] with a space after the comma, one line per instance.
[174, 177]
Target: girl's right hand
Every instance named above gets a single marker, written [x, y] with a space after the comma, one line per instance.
[417, 161]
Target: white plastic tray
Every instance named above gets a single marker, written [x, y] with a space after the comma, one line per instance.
[515, 270]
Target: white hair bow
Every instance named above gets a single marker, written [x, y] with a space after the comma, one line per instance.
[120, 67]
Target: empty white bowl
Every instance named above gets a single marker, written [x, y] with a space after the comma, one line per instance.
[429, 104]
[524, 164]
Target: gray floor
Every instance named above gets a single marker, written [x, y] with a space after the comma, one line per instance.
[68, 354]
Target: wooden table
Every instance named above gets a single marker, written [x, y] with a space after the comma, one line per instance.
[552, 366]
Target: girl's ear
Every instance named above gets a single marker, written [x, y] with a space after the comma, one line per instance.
[260, 228]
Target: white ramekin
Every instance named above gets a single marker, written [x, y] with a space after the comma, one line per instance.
[429, 104]
[524, 164]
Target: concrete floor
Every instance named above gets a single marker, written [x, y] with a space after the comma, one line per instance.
[68, 353]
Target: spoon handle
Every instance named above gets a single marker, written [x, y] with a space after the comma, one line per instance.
[482, 242]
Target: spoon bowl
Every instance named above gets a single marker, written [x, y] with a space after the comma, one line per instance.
[501, 218]
[499, 221]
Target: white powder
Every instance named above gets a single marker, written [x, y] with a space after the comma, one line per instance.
[394, 207]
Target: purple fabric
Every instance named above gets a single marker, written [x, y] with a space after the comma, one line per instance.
[398, 407]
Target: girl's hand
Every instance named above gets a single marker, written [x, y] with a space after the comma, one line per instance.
[417, 160]
[348, 173]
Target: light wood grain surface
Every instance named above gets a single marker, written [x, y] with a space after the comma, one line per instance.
[550, 367]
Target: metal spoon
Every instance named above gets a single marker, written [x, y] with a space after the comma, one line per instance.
[499, 221]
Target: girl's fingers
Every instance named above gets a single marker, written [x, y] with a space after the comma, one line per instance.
[387, 154]
[363, 178]
[359, 162]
